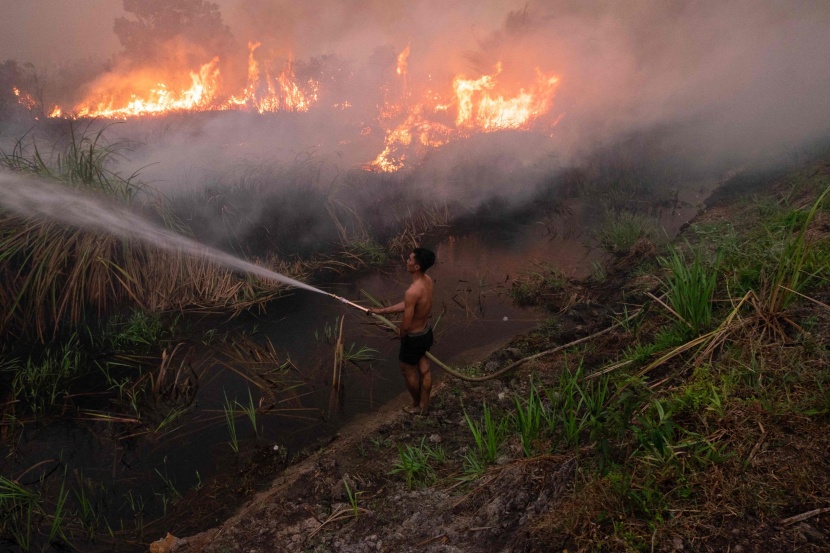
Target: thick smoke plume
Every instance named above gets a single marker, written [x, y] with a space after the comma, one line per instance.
[725, 83]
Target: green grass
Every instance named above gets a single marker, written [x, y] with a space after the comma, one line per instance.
[19, 512]
[534, 284]
[139, 329]
[352, 497]
[250, 410]
[488, 436]
[620, 231]
[528, 419]
[230, 420]
[83, 162]
[40, 384]
[357, 354]
[800, 262]
[690, 288]
[415, 463]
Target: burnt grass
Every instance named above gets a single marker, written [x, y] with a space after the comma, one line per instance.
[716, 452]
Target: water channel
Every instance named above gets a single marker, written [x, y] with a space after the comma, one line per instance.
[144, 476]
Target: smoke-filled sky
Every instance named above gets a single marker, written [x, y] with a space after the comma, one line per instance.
[58, 31]
[744, 77]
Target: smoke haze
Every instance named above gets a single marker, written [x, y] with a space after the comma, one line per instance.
[735, 82]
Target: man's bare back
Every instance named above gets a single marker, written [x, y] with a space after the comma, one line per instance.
[418, 297]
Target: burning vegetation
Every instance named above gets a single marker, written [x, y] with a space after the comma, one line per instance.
[174, 67]
[409, 125]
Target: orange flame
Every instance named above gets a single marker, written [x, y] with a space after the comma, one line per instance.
[402, 59]
[479, 108]
[483, 104]
[24, 99]
[262, 93]
[282, 94]
[160, 100]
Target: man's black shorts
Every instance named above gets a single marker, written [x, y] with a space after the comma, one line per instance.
[414, 346]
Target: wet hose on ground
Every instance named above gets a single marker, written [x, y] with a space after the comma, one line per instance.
[511, 366]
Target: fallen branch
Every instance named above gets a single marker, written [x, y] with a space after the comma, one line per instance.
[805, 516]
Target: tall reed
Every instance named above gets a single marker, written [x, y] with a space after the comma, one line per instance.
[53, 274]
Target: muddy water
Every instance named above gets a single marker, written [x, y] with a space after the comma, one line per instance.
[156, 473]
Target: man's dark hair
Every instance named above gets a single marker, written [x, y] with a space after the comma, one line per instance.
[424, 258]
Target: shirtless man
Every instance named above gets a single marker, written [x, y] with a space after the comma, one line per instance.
[415, 331]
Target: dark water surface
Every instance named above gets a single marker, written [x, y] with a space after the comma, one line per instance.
[140, 479]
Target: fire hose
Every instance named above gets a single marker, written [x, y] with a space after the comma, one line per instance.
[509, 367]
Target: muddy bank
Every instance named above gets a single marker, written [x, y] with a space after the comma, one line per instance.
[728, 453]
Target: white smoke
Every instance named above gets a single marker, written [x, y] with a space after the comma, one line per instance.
[743, 81]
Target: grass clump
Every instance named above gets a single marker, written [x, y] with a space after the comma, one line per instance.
[544, 285]
[40, 382]
[528, 419]
[488, 435]
[415, 463]
[690, 287]
[58, 277]
[619, 231]
[139, 329]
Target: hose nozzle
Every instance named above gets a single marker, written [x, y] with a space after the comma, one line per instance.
[347, 302]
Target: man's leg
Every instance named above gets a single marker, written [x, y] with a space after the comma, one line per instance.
[426, 383]
[413, 383]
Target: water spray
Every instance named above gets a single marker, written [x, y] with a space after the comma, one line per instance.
[34, 197]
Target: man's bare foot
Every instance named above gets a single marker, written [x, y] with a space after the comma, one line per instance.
[412, 409]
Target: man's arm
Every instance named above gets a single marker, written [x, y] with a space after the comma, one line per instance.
[410, 298]
[397, 308]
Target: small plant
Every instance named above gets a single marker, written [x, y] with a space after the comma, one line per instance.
[413, 463]
[656, 431]
[640, 353]
[488, 435]
[250, 410]
[528, 419]
[626, 321]
[18, 509]
[230, 419]
[367, 253]
[690, 288]
[598, 271]
[352, 498]
[797, 265]
[140, 329]
[41, 383]
[357, 354]
[56, 528]
[530, 287]
[88, 498]
[620, 231]
[594, 396]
